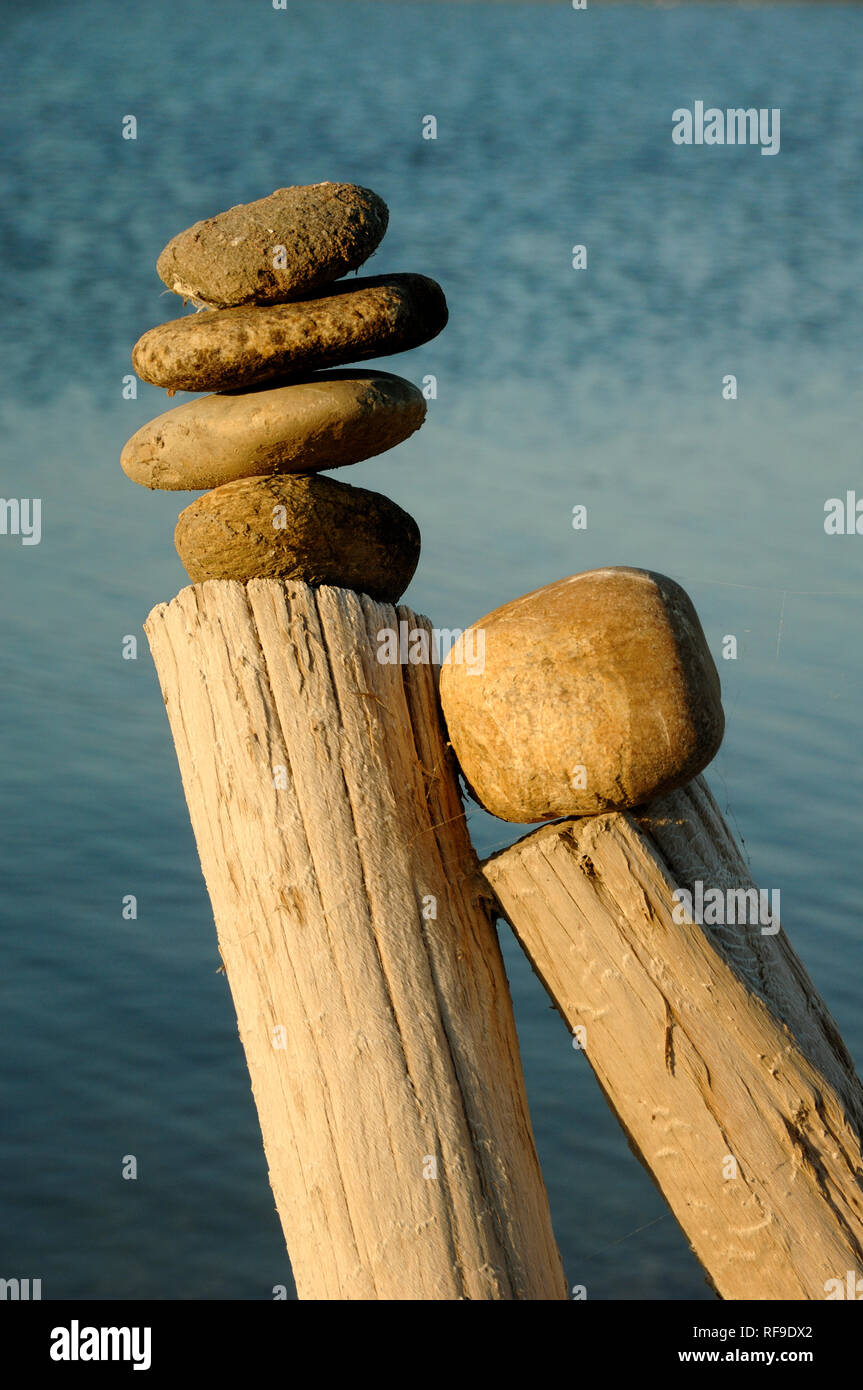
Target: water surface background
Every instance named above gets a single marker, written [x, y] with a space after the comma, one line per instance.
[555, 388]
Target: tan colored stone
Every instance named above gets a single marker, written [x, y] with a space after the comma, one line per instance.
[300, 526]
[595, 693]
[325, 230]
[225, 349]
[326, 421]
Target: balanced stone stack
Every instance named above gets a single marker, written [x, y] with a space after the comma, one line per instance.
[270, 327]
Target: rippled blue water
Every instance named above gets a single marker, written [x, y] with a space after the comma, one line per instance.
[556, 387]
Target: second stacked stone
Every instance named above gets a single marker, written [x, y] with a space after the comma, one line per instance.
[273, 321]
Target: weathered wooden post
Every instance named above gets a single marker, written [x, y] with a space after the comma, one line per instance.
[371, 997]
[703, 1029]
[710, 1043]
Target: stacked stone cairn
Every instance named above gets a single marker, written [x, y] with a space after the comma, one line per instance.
[271, 325]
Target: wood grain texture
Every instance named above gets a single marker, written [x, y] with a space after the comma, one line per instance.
[708, 1042]
[399, 1041]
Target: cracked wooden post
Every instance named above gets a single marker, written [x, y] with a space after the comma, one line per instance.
[359, 945]
[710, 1043]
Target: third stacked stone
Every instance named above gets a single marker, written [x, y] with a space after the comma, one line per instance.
[271, 323]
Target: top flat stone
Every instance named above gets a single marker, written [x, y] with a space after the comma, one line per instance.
[266, 252]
